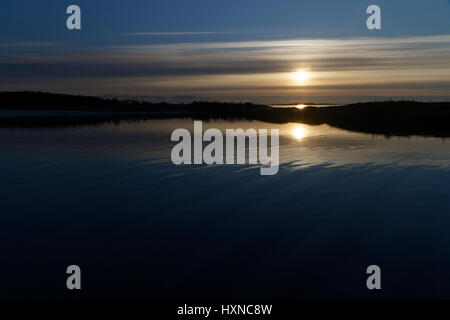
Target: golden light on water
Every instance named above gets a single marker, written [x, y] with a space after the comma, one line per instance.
[301, 76]
[299, 132]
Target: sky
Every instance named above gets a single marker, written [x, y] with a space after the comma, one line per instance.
[267, 51]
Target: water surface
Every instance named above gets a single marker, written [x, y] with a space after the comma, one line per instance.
[109, 199]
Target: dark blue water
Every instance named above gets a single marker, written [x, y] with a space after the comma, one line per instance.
[109, 199]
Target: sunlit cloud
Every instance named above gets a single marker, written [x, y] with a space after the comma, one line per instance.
[350, 66]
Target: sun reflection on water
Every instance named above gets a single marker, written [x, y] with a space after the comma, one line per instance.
[299, 132]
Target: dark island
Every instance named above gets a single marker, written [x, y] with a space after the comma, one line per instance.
[403, 118]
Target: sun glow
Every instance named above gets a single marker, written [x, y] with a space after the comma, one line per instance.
[299, 132]
[300, 106]
[301, 76]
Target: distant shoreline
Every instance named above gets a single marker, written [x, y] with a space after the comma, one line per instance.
[396, 118]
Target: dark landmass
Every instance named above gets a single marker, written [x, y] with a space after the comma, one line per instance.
[387, 118]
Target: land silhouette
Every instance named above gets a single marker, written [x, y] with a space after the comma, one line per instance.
[390, 118]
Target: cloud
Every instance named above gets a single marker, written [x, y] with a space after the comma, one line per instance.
[184, 33]
[359, 63]
[28, 44]
[258, 57]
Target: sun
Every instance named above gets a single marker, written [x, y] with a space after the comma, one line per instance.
[301, 76]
